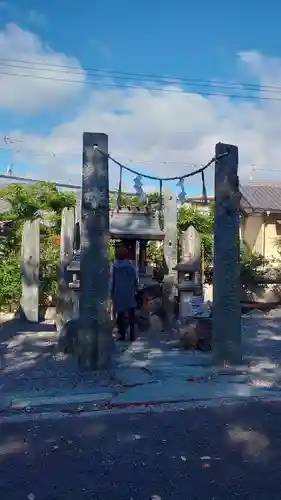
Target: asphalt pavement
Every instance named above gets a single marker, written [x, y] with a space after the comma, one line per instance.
[204, 453]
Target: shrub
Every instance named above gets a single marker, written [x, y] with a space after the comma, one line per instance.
[49, 269]
[253, 267]
[10, 282]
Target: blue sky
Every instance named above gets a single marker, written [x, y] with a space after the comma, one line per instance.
[199, 40]
[181, 38]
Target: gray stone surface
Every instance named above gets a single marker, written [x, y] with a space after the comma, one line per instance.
[30, 261]
[133, 375]
[35, 371]
[64, 306]
[170, 229]
[94, 334]
[226, 280]
[5, 402]
[170, 254]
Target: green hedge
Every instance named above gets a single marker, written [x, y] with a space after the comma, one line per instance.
[10, 276]
[10, 282]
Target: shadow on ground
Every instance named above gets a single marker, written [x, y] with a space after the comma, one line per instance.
[31, 361]
[262, 349]
[196, 454]
[154, 361]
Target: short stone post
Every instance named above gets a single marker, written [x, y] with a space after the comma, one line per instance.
[226, 281]
[170, 255]
[30, 260]
[94, 332]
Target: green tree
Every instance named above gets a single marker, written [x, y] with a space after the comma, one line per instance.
[26, 202]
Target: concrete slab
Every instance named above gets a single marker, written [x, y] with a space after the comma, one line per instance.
[5, 402]
[163, 358]
[171, 391]
[133, 376]
[185, 372]
[24, 402]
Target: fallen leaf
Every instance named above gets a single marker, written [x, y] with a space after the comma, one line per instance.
[184, 459]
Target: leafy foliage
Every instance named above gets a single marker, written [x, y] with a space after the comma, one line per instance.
[43, 200]
[40, 200]
[49, 269]
[10, 281]
[253, 266]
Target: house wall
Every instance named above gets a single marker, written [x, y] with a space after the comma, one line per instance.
[272, 235]
[251, 229]
[261, 234]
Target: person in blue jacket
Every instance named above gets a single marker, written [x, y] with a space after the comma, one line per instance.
[124, 287]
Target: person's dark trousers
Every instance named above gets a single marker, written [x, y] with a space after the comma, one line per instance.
[122, 324]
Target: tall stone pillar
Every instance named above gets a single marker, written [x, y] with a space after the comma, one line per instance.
[30, 260]
[64, 306]
[170, 255]
[226, 281]
[94, 333]
[77, 233]
[66, 238]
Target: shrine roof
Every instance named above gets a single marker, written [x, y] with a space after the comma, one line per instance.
[135, 225]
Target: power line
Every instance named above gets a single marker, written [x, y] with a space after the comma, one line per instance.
[10, 140]
[140, 76]
[101, 74]
[175, 178]
[257, 169]
[149, 88]
[76, 155]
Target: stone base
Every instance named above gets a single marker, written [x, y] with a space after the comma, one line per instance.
[68, 337]
[196, 333]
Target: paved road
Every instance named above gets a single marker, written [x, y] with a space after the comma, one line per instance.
[197, 454]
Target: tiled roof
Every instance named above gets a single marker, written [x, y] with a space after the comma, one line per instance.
[261, 195]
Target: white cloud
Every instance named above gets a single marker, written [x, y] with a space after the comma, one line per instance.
[30, 95]
[177, 127]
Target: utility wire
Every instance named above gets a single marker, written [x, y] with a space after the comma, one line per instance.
[100, 74]
[140, 87]
[71, 69]
[76, 155]
[9, 140]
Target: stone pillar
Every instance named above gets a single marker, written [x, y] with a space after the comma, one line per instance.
[170, 255]
[226, 281]
[66, 238]
[94, 333]
[30, 260]
[65, 306]
[77, 235]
